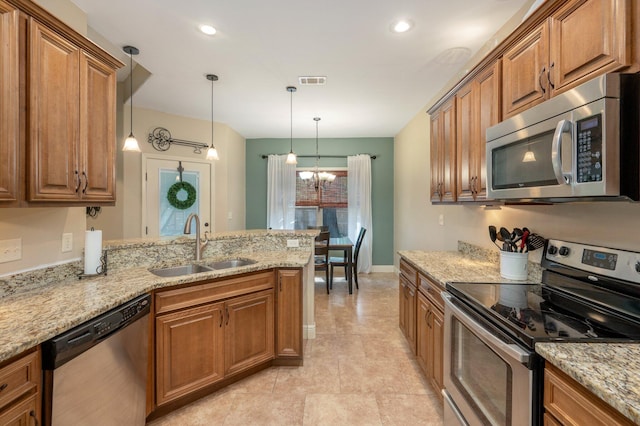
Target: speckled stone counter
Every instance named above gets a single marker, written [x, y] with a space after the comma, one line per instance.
[41, 304]
[468, 264]
[611, 371]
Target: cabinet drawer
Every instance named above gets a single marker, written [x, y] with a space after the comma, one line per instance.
[186, 297]
[19, 377]
[571, 403]
[431, 289]
[409, 272]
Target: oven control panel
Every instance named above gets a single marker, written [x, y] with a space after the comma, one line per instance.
[614, 263]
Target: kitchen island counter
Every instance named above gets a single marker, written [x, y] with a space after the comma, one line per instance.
[611, 371]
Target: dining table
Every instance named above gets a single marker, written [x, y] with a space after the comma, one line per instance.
[345, 245]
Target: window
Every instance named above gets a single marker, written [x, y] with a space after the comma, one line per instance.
[326, 206]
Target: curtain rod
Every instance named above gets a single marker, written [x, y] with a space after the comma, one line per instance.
[373, 156]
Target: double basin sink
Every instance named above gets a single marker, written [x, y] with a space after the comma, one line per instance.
[194, 268]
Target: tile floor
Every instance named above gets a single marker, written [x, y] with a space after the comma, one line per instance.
[357, 371]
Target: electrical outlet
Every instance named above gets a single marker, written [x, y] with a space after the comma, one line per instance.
[10, 250]
[67, 242]
[230, 215]
[293, 243]
[441, 220]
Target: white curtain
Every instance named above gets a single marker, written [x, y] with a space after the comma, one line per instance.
[359, 198]
[281, 193]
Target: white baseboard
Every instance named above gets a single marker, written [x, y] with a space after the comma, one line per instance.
[309, 331]
[382, 268]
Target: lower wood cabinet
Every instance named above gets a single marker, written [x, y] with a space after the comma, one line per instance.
[407, 298]
[20, 390]
[430, 339]
[566, 402]
[214, 332]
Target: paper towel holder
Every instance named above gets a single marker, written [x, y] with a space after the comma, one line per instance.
[101, 270]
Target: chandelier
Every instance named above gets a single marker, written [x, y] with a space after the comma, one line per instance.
[317, 177]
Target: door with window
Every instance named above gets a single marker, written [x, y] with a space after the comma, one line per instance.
[323, 204]
[171, 194]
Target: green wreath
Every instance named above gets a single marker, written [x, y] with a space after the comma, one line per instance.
[172, 195]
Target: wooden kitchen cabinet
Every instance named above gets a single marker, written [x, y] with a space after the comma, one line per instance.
[209, 332]
[72, 122]
[430, 333]
[566, 402]
[443, 153]
[9, 105]
[57, 112]
[579, 41]
[408, 303]
[249, 331]
[20, 395]
[289, 343]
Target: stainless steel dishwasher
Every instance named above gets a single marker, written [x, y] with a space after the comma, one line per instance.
[96, 373]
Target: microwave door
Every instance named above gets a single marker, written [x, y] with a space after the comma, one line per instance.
[532, 162]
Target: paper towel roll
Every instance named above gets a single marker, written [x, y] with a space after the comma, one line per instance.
[92, 251]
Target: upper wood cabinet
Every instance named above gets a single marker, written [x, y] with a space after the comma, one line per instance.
[9, 104]
[580, 40]
[72, 122]
[57, 112]
[443, 153]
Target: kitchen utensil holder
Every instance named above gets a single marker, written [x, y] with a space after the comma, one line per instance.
[514, 266]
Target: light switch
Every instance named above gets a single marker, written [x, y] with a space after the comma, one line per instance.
[67, 242]
[441, 220]
[293, 243]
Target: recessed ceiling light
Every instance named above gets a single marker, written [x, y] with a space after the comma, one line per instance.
[401, 26]
[207, 29]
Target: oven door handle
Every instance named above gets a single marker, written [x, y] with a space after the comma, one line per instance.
[512, 350]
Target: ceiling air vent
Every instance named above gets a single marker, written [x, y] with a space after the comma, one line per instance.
[312, 81]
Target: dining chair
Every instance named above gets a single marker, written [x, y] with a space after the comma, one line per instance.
[321, 258]
[342, 261]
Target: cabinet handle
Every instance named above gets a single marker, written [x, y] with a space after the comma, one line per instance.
[77, 181]
[86, 182]
[428, 315]
[549, 75]
[33, 415]
[227, 311]
[280, 282]
[3, 386]
[540, 79]
[221, 317]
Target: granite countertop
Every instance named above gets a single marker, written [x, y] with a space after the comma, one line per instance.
[29, 317]
[610, 370]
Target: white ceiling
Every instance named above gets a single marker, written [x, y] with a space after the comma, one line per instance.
[376, 80]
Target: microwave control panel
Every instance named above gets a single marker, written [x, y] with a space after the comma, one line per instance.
[589, 165]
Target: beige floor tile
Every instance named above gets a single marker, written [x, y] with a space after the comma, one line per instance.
[261, 382]
[266, 409]
[317, 376]
[333, 347]
[402, 410]
[210, 410]
[343, 409]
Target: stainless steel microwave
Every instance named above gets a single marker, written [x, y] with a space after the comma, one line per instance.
[582, 144]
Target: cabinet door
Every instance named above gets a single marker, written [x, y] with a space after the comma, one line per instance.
[97, 129]
[189, 351]
[9, 103]
[588, 38]
[53, 111]
[489, 113]
[437, 330]
[25, 413]
[466, 141]
[289, 314]
[249, 331]
[435, 153]
[448, 154]
[423, 313]
[524, 72]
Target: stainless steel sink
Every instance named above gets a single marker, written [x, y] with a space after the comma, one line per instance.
[176, 271]
[231, 263]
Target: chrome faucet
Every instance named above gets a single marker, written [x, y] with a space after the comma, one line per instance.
[200, 245]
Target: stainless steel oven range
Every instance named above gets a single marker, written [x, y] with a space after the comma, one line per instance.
[492, 375]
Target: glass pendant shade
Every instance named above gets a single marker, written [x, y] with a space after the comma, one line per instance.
[305, 175]
[131, 144]
[291, 158]
[212, 153]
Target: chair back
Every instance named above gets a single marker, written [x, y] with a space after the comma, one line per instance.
[322, 228]
[356, 250]
[322, 247]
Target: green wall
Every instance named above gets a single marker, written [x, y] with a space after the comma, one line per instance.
[381, 176]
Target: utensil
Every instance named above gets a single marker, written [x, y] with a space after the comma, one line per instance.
[493, 234]
[523, 241]
[535, 241]
[506, 237]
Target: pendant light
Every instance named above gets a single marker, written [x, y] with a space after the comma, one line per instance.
[291, 158]
[131, 144]
[319, 178]
[212, 152]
